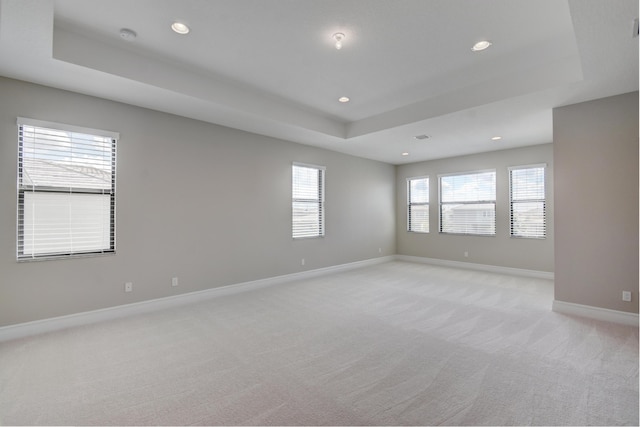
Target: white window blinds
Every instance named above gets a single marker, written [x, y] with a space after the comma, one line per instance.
[527, 201]
[418, 205]
[66, 190]
[307, 201]
[468, 203]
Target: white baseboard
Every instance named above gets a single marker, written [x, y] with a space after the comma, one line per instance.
[22, 330]
[597, 313]
[47, 325]
[481, 267]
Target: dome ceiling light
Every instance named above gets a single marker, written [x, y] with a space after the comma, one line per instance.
[180, 28]
[481, 45]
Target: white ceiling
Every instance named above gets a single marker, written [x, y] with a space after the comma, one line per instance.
[270, 67]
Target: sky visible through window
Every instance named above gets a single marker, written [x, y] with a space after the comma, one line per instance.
[468, 187]
[467, 203]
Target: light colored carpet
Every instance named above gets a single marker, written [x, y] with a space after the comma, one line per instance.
[396, 343]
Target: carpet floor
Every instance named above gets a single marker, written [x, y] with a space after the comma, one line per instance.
[391, 344]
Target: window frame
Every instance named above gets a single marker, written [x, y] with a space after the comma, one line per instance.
[320, 201]
[410, 204]
[542, 166]
[24, 189]
[441, 204]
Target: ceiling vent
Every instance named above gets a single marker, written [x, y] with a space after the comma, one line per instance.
[421, 137]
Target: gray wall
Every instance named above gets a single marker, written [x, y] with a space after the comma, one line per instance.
[206, 203]
[211, 205]
[596, 190]
[500, 250]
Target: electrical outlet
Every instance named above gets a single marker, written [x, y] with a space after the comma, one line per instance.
[379, 250]
[302, 262]
[128, 287]
[174, 281]
[466, 254]
[626, 296]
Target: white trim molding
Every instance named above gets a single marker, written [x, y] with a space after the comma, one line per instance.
[26, 329]
[605, 314]
[480, 267]
[67, 128]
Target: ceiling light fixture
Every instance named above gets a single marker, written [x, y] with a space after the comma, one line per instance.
[344, 99]
[496, 138]
[180, 28]
[338, 37]
[405, 154]
[481, 45]
[127, 34]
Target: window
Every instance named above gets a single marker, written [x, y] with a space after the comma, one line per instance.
[468, 203]
[418, 205]
[66, 190]
[527, 201]
[307, 201]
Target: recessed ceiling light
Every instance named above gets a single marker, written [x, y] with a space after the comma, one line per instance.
[127, 34]
[180, 28]
[405, 154]
[344, 99]
[421, 137]
[481, 45]
[338, 37]
[496, 138]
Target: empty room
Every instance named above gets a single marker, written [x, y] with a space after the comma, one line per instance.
[319, 212]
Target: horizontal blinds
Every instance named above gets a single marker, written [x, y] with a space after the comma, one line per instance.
[56, 159]
[468, 203]
[58, 223]
[527, 201]
[307, 201]
[418, 205]
[66, 192]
